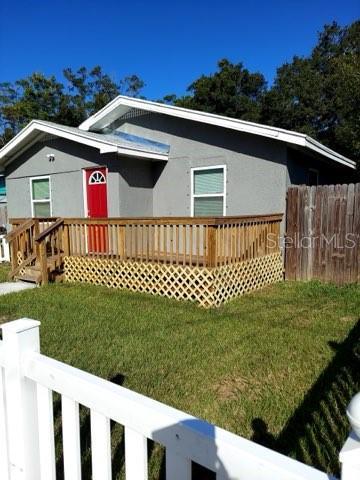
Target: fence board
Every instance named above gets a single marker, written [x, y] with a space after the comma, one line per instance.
[136, 455]
[46, 433]
[322, 233]
[4, 454]
[100, 446]
[71, 438]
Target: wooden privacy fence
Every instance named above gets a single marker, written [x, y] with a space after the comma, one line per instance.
[323, 233]
[27, 438]
[205, 259]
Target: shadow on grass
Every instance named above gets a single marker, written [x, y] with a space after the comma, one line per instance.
[317, 430]
[85, 439]
[118, 445]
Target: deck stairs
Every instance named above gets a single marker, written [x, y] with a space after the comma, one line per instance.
[33, 273]
[36, 256]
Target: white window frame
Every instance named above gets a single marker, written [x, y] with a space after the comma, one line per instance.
[204, 195]
[41, 177]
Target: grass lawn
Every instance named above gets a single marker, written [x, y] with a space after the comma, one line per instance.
[278, 366]
[4, 270]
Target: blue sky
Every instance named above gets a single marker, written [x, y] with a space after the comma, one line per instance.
[167, 43]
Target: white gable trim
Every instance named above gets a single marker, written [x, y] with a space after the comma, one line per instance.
[121, 105]
[35, 130]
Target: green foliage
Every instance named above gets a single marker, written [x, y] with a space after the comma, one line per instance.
[320, 94]
[45, 98]
[232, 91]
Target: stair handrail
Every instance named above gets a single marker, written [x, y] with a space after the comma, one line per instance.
[11, 239]
[19, 229]
[40, 240]
[49, 230]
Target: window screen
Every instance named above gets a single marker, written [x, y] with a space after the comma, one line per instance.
[40, 194]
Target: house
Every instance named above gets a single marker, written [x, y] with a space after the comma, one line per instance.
[3, 203]
[136, 158]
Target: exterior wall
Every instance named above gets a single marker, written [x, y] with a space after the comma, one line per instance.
[136, 183]
[256, 166]
[129, 181]
[259, 170]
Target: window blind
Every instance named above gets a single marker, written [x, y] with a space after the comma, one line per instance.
[42, 209]
[208, 206]
[209, 181]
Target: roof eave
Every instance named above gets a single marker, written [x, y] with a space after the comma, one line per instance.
[102, 145]
[288, 136]
[318, 147]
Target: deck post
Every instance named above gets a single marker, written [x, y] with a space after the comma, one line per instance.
[21, 337]
[350, 458]
[350, 453]
[121, 242]
[36, 233]
[65, 240]
[211, 260]
[43, 263]
[13, 255]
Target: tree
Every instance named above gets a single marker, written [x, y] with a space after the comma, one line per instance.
[32, 97]
[320, 95]
[232, 91]
[45, 98]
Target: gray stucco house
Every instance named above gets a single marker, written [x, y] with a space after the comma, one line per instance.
[141, 158]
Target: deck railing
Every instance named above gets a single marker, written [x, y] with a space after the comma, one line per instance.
[36, 242]
[198, 241]
[23, 248]
[27, 447]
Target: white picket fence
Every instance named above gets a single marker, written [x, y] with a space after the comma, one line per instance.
[4, 250]
[27, 382]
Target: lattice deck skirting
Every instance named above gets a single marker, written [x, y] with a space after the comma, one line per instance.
[208, 286]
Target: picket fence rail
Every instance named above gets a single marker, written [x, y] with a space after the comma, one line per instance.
[4, 250]
[27, 451]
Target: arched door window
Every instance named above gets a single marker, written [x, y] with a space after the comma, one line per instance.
[97, 177]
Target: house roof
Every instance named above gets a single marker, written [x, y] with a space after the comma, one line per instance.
[122, 105]
[128, 145]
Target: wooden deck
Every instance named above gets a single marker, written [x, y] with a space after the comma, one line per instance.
[179, 257]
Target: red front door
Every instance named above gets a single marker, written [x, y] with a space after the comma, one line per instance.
[96, 194]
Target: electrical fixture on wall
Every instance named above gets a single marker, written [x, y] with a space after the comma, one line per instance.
[51, 157]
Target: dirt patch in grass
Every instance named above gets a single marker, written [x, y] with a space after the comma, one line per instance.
[230, 387]
[348, 319]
